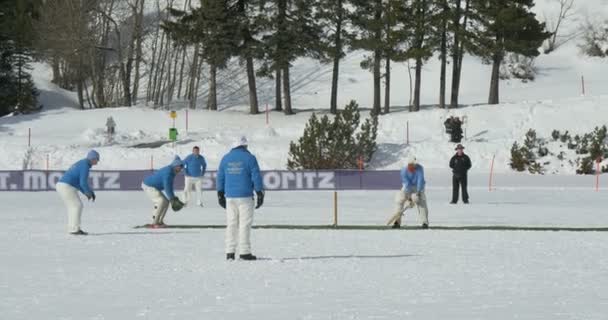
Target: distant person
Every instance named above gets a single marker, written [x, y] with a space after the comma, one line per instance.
[159, 188]
[460, 164]
[194, 170]
[110, 126]
[237, 178]
[412, 192]
[453, 127]
[74, 180]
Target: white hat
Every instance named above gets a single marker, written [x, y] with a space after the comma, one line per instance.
[411, 160]
[241, 141]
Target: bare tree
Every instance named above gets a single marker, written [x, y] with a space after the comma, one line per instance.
[554, 24]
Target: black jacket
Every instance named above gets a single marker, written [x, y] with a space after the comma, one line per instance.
[460, 165]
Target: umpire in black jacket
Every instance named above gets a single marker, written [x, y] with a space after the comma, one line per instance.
[460, 164]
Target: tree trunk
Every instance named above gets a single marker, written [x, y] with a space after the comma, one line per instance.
[253, 92]
[377, 58]
[152, 70]
[461, 49]
[287, 91]
[56, 70]
[443, 54]
[417, 81]
[387, 86]
[278, 103]
[455, 56]
[495, 81]
[376, 109]
[193, 74]
[158, 72]
[247, 44]
[138, 50]
[181, 74]
[333, 105]
[79, 89]
[280, 61]
[212, 98]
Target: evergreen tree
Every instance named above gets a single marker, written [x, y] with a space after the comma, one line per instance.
[248, 46]
[369, 26]
[337, 144]
[210, 25]
[334, 19]
[506, 26]
[396, 40]
[291, 31]
[422, 44]
[17, 91]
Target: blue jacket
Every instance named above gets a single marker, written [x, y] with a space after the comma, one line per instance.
[162, 180]
[239, 174]
[413, 179]
[195, 165]
[78, 176]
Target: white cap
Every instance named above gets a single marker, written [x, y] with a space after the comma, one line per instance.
[241, 141]
[411, 159]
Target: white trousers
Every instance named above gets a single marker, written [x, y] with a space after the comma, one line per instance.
[239, 218]
[197, 183]
[161, 204]
[72, 201]
[404, 199]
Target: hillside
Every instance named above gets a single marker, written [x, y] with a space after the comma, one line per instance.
[553, 101]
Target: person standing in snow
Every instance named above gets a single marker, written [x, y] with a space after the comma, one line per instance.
[412, 192]
[238, 176]
[460, 164]
[159, 188]
[110, 126]
[74, 180]
[194, 170]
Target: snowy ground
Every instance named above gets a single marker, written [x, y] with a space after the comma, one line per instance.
[123, 273]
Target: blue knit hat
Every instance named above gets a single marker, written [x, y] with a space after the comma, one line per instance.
[177, 161]
[93, 155]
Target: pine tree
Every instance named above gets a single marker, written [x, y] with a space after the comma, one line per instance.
[396, 40]
[249, 48]
[337, 144]
[291, 31]
[507, 26]
[461, 15]
[17, 91]
[210, 25]
[423, 19]
[334, 19]
[368, 23]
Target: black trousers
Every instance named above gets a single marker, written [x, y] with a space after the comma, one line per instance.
[457, 183]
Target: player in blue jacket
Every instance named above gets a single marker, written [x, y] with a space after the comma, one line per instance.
[194, 170]
[159, 188]
[237, 178]
[412, 192]
[74, 180]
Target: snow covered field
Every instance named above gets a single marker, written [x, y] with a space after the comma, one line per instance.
[447, 272]
[123, 273]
